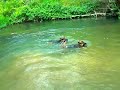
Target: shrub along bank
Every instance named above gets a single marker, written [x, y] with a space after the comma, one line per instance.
[18, 11]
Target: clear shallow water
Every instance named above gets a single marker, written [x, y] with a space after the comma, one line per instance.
[29, 62]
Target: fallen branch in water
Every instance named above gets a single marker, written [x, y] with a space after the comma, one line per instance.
[89, 15]
[82, 16]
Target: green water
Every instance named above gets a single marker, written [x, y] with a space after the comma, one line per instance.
[29, 62]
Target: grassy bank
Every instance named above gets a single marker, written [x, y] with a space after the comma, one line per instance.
[14, 11]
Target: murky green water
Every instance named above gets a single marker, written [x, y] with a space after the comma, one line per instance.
[29, 62]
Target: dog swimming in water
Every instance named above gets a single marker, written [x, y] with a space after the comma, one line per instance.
[60, 41]
[80, 44]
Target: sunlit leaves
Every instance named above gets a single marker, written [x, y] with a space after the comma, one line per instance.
[36, 10]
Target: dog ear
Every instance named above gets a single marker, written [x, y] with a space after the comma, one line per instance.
[85, 44]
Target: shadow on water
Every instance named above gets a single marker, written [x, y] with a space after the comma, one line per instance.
[29, 62]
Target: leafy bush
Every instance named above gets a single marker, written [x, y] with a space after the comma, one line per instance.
[14, 11]
[3, 21]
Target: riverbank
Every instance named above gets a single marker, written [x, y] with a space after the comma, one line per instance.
[13, 12]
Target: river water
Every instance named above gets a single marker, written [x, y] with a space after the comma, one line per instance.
[29, 62]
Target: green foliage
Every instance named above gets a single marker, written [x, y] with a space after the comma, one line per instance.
[3, 21]
[119, 13]
[14, 11]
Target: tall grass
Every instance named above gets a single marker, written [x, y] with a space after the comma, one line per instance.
[18, 11]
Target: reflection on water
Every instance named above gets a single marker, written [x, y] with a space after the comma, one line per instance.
[29, 62]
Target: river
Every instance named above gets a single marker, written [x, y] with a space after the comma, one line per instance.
[29, 62]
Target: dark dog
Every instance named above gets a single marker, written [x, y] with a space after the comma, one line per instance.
[60, 41]
[79, 45]
[82, 44]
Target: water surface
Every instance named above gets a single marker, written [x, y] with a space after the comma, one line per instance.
[29, 62]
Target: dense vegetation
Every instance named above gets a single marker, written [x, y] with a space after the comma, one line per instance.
[17, 11]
